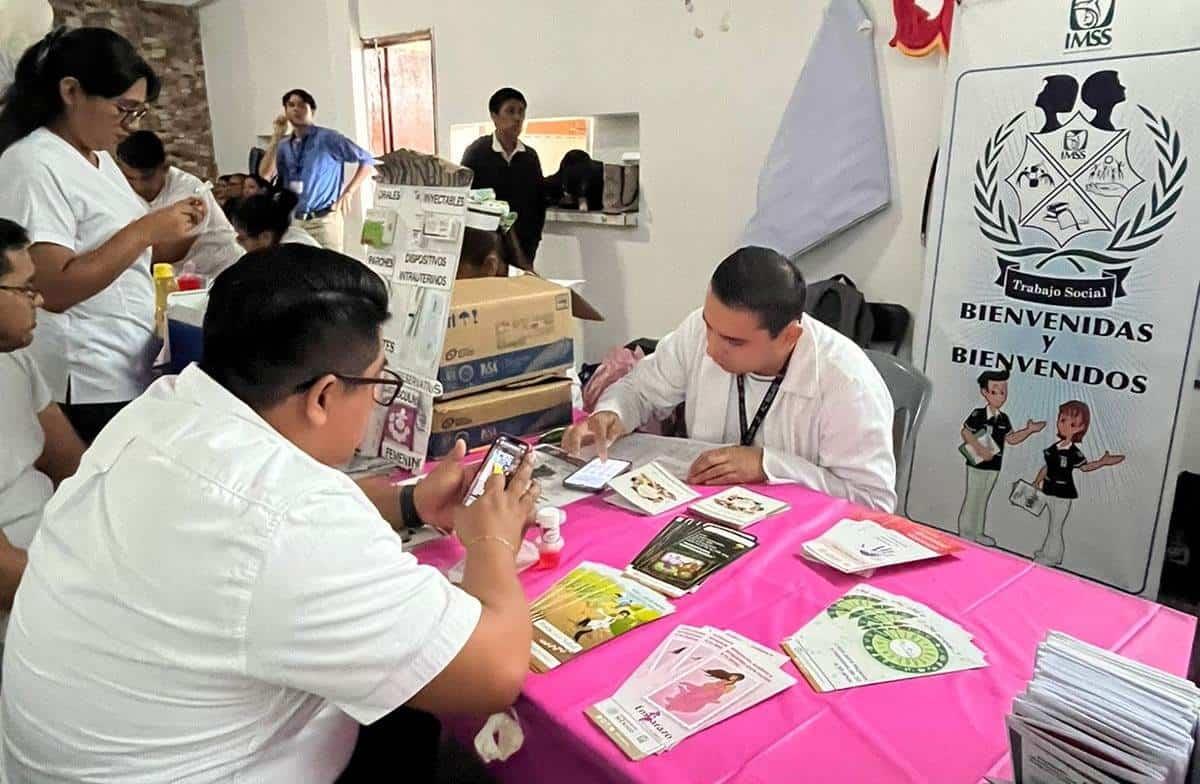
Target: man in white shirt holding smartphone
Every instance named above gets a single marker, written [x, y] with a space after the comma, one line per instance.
[209, 599]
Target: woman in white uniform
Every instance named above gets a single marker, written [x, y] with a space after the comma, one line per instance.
[77, 94]
[265, 221]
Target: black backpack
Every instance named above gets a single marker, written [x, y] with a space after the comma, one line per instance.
[838, 303]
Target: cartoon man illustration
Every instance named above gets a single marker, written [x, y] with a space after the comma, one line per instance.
[1056, 481]
[1057, 97]
[986, 432]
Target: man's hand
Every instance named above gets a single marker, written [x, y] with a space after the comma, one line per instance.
[279, 127]
[729, 465]
[500, 512]
[341, 206]
[601, 428]
[439, 494]
[1035, 427]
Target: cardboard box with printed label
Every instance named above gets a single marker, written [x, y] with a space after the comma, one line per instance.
[516, 411]
[505, 330]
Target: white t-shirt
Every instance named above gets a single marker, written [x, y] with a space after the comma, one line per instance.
[299, 236]
[216, 248]
[205, 602]
[106, 345]
[24, 490]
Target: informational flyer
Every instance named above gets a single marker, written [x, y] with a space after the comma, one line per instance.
[414, 236]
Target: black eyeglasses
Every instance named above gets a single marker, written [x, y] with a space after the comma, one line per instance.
[28, 291]
[385, 389]
[131, 111]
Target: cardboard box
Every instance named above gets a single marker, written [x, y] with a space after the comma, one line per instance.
[515, 411]
[505, 330]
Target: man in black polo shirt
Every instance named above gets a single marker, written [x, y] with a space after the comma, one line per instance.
[985, 433]
[501, 162]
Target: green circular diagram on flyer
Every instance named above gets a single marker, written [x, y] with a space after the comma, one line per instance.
[848, 604]
[907, 650]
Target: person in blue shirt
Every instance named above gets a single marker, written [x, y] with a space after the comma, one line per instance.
[310, 161]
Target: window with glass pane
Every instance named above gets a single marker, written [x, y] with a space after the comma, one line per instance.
[400, 93]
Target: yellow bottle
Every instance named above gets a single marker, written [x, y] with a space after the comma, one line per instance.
[164, 284]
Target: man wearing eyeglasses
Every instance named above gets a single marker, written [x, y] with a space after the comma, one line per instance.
[211, 600]
[40, 447]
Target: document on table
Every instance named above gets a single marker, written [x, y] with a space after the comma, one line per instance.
[675, 455]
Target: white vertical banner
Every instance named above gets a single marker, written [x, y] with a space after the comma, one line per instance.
[414, 236]
[1062, 282]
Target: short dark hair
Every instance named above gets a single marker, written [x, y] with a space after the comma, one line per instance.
[285, 316]
[988, 376]
[305, 96]
[12, 237]
[764, 282]
[142, 150]
[504, 94]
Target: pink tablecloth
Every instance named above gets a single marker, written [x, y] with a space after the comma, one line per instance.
[941, 729]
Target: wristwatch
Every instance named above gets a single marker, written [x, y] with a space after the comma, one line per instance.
[408, 508]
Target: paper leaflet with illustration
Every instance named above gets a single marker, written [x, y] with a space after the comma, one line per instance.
[861, 546]
[871, 636]
[591, 605]
[651, 490]
[697, 677]
[685, 553]
[738, 507]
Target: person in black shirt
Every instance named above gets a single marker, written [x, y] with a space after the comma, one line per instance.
[1056, 479]
[512, 169]
[985, 433]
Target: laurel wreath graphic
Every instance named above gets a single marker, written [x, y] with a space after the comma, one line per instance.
[1132, 236]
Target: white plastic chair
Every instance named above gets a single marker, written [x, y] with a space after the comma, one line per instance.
[911, 392]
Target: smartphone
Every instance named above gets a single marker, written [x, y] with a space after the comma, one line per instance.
[507, 453]
[596, 474]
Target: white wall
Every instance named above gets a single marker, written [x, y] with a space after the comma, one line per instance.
[708, 111]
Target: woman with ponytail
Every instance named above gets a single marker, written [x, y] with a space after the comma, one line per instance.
[76, 95]
[265, 220]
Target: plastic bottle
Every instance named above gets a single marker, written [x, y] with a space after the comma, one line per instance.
[164, 284]
[188, 279]
[550, 542]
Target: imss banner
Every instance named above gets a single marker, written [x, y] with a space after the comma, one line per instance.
[1061, 282]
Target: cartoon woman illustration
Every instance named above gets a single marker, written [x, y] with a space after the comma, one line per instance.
[1056, 479]
[690, 698]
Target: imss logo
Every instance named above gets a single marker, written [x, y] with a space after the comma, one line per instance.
[1090, 24]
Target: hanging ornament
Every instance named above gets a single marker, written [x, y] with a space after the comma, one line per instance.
[922, 26]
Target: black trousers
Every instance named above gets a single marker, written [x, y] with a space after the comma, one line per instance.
[89, 419]
[402, 746]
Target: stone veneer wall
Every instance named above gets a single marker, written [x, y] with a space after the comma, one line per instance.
[168, 36]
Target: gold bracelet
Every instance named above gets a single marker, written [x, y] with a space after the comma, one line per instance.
[490, 538]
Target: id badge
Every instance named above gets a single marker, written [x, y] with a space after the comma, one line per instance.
[296, 187]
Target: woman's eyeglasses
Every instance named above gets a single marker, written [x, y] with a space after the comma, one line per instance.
[131, 111]
[28, 291]
[384, 389]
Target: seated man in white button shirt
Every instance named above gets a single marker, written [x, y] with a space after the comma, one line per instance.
[38, 446]
[796, 400]
[212, 246]
[210, 600]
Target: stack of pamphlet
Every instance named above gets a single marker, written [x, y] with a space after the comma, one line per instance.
[871, 636]
[685, 553]
[738, 507]
[1090, 715]
[591, 605]
[862, 546]
[694, 679]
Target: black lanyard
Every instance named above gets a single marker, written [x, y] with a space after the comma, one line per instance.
[298, 153]
[750, 431]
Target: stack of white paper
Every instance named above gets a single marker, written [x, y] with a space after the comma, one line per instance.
[694, 679]
[1090, 715]
[871, 636]
[861, 546]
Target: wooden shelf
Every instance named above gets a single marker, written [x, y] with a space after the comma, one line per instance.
[624, 219]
